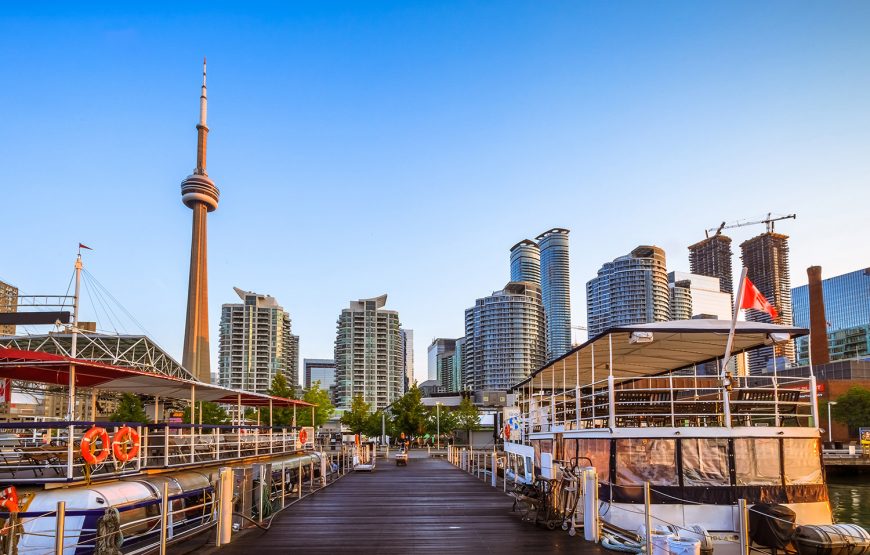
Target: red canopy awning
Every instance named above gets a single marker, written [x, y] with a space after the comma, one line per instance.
[35, 366]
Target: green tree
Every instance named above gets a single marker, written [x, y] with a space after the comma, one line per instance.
[357, 418]
[410, 415]
[443, 420]
[377, 422]
[130, 409]
[467, 417]
[282, 416]
[207, 413]
[323, 410]
[853, 408]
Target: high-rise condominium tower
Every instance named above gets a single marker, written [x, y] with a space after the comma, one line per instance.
[556, 290]
[633, 289]
[526, 262]
[8, 303]
[766, 260]
[408, 356]
[505, 337]
[199, 193]
[256, 343]
[712, 257]
[442, 351]
[368, 354]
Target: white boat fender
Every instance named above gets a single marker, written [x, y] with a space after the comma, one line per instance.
[684, 546]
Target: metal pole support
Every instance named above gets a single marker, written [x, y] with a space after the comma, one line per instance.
[647, 516]
[225, 506]
[743, 515]
[59, 527]
[164, 517]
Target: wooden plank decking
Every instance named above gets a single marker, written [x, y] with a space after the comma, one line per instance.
[429, 506]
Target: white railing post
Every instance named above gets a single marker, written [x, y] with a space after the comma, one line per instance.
[225, 507]
[70, 443]
[814, 401]
[165, 445]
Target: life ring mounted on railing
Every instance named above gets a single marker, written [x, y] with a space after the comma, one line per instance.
[124, 437]
[9, 499]
[89, 451]
[303, 436]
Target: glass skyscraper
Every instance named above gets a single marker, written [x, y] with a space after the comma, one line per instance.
[847, 311]
[556, 290]
[526, 262]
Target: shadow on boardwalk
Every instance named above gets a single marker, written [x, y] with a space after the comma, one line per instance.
[427, 507]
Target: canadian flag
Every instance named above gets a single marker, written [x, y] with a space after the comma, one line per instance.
[752, 298]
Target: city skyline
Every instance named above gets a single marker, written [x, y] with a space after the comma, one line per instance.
[802, 115]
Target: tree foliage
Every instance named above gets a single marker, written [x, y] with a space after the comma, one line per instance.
[357, 418]
[853, 408]
[410, 415]
[130, 409]
[443, 420]
[282, 416]
[467, 416]
[207, 413]
[322, 412]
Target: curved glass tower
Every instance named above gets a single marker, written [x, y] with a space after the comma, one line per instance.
[556, 290]
[526, 262]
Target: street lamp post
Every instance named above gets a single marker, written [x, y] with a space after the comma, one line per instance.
[438, 426]
[829, 420]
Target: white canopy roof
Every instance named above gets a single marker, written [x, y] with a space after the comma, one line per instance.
[651, 349]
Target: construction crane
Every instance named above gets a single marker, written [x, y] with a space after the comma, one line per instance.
[768, 221]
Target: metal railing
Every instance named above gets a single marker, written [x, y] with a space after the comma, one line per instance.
[52, 451]
[675, 401]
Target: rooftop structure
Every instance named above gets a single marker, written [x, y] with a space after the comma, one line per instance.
[199, 193]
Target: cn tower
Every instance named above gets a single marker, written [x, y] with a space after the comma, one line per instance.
[200, 194]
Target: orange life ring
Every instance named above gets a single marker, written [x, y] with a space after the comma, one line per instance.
[303, 436]
[122, 437]
[89, 446]
[9, 499]
[507, 431]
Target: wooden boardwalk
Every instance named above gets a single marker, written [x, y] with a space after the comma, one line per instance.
[429, 506]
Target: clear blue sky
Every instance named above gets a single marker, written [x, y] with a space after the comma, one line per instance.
[374, 147]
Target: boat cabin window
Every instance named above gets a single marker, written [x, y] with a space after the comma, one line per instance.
[541, 446]
[802, 462]
[652, 460]
[569, 452]
[755, 461]
[705, 462]
[597, 451]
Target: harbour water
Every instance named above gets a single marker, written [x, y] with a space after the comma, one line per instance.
[850, 498]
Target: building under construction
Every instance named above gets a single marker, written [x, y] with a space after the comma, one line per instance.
[8, 303]
[766, 260]
[712, 257]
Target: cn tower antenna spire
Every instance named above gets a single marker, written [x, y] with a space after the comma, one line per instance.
[203, 99]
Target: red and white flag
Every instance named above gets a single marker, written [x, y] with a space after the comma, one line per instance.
[83, 246]
[752, 298]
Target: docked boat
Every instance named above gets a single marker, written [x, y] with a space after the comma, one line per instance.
[635, 408]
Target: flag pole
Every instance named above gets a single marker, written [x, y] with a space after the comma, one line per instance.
[726, 375]
[737, 302]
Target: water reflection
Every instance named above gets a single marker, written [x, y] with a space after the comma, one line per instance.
[850, 498]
